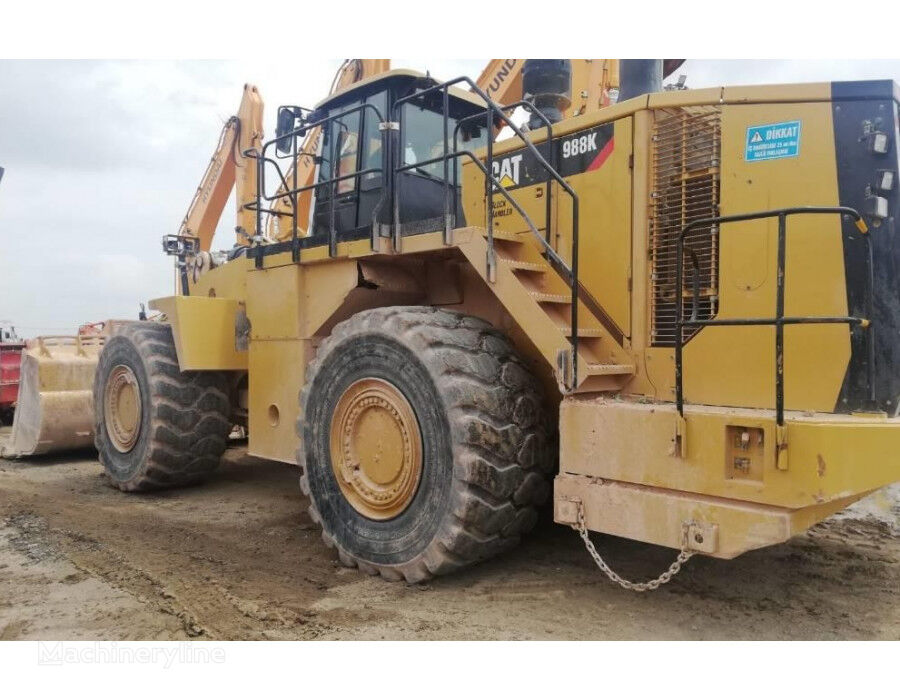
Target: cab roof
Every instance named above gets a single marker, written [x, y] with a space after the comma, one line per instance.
[420, 80]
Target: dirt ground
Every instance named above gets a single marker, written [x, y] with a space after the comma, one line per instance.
[238, 558]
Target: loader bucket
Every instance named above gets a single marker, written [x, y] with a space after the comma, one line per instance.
[54, 411]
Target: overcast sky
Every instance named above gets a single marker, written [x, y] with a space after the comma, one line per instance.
[102, 159]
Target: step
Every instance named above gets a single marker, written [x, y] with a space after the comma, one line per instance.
[594, 369]
[582, 332]
[524, 265]
[546, 298]
[506, 236]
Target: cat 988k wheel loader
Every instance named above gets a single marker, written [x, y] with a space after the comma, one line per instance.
[675, 315]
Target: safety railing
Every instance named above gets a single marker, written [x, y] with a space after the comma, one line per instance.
[495, 113]
[779, 321]
[293, 190]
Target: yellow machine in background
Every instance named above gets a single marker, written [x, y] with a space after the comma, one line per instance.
[690, 292]
[54, 404]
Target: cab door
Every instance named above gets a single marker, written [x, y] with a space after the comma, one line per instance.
[339, 156]
[352, 144]
[372, 184]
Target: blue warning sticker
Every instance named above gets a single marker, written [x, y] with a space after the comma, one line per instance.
[771, 141]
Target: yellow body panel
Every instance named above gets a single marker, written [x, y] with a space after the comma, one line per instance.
[227, 281]
[204, 331]
[736, 366]
[277, 368]
[605, 231]
[679, 98]
[797, 92]
[287, 306]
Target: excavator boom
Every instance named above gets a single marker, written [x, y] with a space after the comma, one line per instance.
[227, 168]
[592, 80]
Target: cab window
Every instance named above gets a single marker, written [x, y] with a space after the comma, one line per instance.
[423, 138]
[340, 149]
[372, 154]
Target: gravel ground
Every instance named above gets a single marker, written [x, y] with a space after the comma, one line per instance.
[238, 558]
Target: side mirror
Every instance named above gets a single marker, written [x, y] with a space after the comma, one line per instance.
[283, 132]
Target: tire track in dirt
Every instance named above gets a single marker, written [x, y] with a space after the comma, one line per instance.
[240, 559]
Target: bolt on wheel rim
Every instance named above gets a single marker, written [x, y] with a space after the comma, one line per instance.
[376, 449]
[122, 408]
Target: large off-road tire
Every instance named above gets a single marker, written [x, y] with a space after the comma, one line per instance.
[154, 425]
[440, 403]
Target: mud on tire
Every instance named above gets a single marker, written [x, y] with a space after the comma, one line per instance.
[485, 439]
[183, 424]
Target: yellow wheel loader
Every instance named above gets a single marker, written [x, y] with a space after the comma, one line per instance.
[54, 407]
[676, 314]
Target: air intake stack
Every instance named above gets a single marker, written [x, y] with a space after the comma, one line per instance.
[547, 84]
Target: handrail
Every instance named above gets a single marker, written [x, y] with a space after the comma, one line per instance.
[494, 181]
[291, 192]
[392, 164]
[549, 141]
[779, 320]
[492, 109]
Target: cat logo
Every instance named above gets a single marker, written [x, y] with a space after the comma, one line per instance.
[507, 170]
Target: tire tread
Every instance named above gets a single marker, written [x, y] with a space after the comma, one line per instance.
[481, 379]
[189, 423]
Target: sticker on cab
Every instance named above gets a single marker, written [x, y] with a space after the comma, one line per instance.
[771, 141]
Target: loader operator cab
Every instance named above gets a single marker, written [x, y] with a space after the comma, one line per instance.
[378, 156]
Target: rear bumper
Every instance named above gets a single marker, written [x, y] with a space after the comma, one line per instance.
[619, 460]
[715, 526]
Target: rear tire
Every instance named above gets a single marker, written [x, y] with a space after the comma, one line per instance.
[154, 425]
[485, 448]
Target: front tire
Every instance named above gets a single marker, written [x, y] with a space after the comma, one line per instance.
[154, 425]
[457, 482]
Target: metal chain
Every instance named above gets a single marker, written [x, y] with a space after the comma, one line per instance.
[665, 577]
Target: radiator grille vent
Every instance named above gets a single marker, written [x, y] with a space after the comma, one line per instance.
[686, 153]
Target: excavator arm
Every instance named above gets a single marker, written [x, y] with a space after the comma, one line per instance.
[229, 168]
[592, 80]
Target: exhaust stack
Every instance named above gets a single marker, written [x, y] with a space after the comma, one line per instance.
[638, 76]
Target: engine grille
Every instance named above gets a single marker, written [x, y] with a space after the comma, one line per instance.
[686, 153]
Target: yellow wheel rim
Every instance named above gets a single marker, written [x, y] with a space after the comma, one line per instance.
[122, 408]
[376, 449]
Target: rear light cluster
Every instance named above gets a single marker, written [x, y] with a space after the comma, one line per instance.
[876, 207]
[879, 143]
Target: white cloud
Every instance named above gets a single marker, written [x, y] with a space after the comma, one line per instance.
[102, 158]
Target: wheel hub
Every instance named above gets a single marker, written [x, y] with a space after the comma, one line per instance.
[122, 408]
[376, 448]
